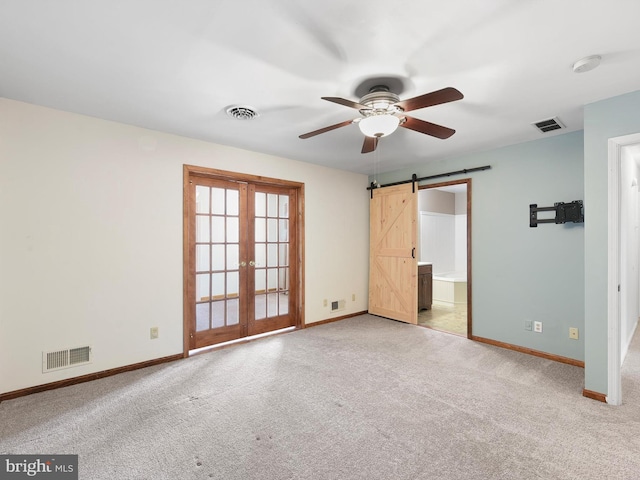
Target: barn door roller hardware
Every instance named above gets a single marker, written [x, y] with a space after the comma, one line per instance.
[565, 212]
[414, 178]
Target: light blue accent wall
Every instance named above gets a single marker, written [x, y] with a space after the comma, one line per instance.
[521, 273]
[603, 120]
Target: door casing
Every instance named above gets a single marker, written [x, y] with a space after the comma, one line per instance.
[614, 322]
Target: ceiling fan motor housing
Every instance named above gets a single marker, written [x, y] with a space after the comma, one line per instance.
[380, 100]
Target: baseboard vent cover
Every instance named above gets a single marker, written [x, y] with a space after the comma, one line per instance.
[71, 357]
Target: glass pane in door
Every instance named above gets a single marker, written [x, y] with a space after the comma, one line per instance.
[239, 258]
[217, 257]
[271, 255]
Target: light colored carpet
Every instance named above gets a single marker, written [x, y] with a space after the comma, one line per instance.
[363, 398]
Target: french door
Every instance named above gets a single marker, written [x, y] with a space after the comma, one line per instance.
[243, 245]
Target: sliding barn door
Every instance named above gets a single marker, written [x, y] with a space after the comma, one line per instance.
[393, 269]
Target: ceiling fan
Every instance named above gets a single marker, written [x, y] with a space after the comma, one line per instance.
[382, 112]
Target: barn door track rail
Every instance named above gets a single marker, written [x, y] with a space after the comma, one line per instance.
[414, 178]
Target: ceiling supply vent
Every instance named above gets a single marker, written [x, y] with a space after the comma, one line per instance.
[549, 125]
[72, 357]
[240, 112]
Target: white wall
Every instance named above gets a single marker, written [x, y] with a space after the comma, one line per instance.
[437, 241]
[437, 201]
[461, 202]
[443, 229]
[443, 241]
[461, 242]
[91, 238]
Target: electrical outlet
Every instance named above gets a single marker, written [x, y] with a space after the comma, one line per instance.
[324, 302]
[537, 327]
[527, 325]
[353, 297]
[573, 333]
[153, 333]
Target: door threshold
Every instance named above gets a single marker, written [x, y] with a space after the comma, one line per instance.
[217, 346]
[442, 330]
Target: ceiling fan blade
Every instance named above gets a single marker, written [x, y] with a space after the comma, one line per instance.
[427, 127]
[345, 102]
[370, 144]
[326, 129]
[445, 95]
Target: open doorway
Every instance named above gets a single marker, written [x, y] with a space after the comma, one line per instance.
[444, 251]
[624, 260]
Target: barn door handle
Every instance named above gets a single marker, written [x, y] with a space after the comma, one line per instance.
[413, 252]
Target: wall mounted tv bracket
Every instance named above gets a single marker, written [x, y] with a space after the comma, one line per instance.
[565, 212]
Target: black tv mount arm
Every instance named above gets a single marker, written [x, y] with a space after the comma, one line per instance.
[565, 212]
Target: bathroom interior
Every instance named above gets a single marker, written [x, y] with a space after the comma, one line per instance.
[442, 264]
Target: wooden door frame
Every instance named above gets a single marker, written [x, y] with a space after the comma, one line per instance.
[466, 181]
[188, 293]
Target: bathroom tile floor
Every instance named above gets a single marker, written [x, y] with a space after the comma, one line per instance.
[447, 317]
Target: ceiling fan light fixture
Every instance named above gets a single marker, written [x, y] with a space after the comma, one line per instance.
[379, 125]
[382, 113]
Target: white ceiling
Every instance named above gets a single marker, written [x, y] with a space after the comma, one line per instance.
[176, 65]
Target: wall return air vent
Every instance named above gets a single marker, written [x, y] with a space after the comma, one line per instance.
[71, 357]
[549, 125]
[338, 305]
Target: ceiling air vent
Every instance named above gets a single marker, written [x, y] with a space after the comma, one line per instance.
[549, 125]
[240, 112]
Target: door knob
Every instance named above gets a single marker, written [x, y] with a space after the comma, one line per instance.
[243, 264]
[252, 263]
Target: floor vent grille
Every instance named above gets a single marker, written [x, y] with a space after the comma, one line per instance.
[549, 125]
[72, 357]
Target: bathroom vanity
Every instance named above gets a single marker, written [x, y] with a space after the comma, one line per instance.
[425, 285]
